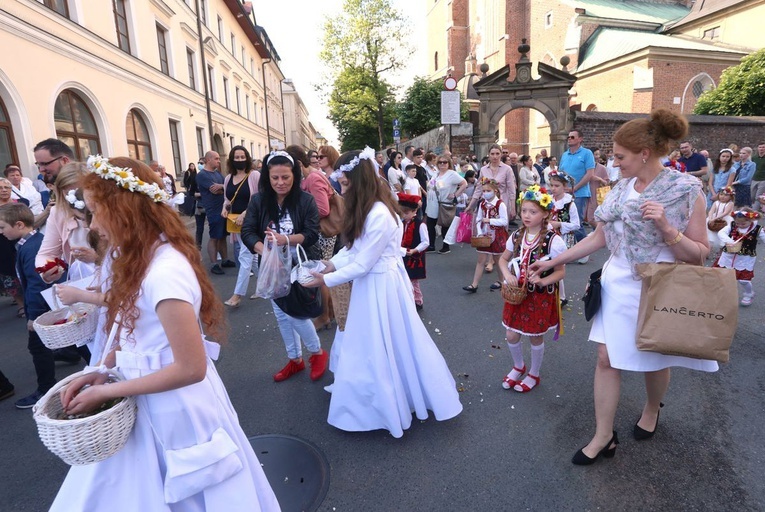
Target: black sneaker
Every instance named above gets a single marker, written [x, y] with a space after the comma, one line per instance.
[29, 401]
[7, 392]
[215, 269]
[430, 249]
[444, 250]
[228, 264]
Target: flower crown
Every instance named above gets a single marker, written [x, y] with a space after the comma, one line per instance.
[367, 154]
[538, 195]
[125, 178]
[726, 190]
[562, 174]
[741, 214]
[71, 198]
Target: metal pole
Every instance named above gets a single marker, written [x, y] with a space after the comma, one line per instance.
[451, 149]
[205, 77]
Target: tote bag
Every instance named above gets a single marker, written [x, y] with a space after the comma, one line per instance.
[687, 310]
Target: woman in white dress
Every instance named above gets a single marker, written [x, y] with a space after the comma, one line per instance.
[651, 215]
[187, 450]
[387, 365]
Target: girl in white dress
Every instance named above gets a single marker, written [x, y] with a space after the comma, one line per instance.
[388, 366]
[720, 209]
[651, 215]
[187, 451]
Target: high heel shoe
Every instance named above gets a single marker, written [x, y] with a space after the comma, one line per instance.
[642, 434]
[608, 452]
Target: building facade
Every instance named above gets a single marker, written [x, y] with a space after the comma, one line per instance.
[130, 77]
[298, 129]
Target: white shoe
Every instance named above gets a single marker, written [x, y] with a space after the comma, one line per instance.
[328, 389]
[584, 260]
[746, 300]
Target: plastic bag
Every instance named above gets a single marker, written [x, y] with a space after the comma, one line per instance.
[274, 272]
[465, 229]
[451, 234]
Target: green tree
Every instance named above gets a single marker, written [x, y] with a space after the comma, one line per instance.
[361, 46]
[353, 109]
[420, 111]
[741, 91]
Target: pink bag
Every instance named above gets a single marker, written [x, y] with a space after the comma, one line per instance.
[465, 229]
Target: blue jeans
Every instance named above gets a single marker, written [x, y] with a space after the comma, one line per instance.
[293, 329]
[581, 208]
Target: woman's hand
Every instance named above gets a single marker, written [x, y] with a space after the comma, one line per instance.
[538, 267]
[239, 220]
[52, 275]
[281, 240]
[74, 390]
[316, 282]
[84, 254]
[328, 267]
[68, 294]
[654, 211]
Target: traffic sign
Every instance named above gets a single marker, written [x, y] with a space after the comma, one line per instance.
[450, 107]
[450, 83]
[396, 123]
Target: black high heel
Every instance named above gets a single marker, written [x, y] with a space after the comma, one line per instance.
[641, 434]
[608, 452]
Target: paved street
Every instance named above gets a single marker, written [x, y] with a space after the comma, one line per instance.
[506, 451]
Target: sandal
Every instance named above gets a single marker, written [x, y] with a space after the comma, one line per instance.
[233, 303]
[470, 288]
[496, 286]
[523, 387]
[508, 382]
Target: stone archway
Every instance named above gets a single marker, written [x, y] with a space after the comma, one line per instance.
[499, 94]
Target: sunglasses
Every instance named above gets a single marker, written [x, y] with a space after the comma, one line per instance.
[442, 162]
[572, 136]
[319, 157]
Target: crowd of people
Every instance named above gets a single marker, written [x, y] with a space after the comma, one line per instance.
[112, 220]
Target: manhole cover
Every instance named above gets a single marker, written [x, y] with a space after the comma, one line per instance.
[297, 471]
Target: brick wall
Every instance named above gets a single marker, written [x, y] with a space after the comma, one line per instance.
[706, 132]
[670, 78]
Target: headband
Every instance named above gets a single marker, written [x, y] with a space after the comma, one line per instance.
[367, 154]
[281, 153]
[125, 178]
[538, 195]
[728, 150]
[726, 190]
[746, 215]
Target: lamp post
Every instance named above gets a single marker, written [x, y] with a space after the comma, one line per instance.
[205, 77]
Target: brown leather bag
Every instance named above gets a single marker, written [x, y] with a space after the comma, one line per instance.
[332, 224]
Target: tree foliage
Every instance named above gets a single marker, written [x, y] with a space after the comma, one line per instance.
[420, 111]
[741, 91]
[362, 46]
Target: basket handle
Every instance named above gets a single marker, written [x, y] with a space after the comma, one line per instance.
[304, 258]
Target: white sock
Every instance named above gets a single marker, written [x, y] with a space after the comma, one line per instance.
[746, 288]
[516, 350]
[537, 354]
[562, 289]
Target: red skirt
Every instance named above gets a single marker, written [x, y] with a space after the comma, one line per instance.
[536, 315]
[499, 244]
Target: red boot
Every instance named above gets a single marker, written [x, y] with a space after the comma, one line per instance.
[318, 364]
[288, 371]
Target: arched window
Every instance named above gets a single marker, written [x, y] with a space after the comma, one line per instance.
[7, 146]
[75, 125]
[592, 108]
[139, 144]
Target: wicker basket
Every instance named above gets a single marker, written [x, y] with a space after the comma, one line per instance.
[85, 440]
[480, 242]
[78, 332]
[716, 225]
[341, 299]
[735, 247]
[513, 294]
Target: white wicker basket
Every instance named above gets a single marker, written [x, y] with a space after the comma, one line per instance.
[86, 440]
[78, 332]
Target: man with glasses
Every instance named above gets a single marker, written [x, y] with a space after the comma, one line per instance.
[50, 156]
[579, 163]
[695, 164]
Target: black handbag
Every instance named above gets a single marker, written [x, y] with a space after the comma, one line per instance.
[592, 293]
[301, 302]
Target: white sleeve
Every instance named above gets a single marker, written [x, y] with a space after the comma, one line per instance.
[342, 258]
[502, 220]
[761, 235]
[424, 238]
[573, 220]
[724, 235]
[170, 276]
[379, 228]
[557, 246]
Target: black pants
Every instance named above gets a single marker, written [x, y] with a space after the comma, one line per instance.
[431, 223]
[5, 384]
[45, 366]
[200, 218]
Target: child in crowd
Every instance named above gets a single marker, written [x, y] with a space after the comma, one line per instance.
[747, 230]
[564, 219]
[412, 185]
[17, 223]
[414, 243]
[720, 209]
[464, 198]
[491, 220]
[540, 311]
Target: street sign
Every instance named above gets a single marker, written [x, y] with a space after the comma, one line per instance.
[396, 135]
[396, 123]
[450, 83]
[450, 107]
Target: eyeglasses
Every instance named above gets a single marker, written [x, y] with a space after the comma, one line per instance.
[46, 164]
[319, 157]
[442, 162]
[572, 136]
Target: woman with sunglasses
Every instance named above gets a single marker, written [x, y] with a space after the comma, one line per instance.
[326, 157]
[444, 187]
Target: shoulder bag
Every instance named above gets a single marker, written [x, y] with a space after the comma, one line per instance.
[231, 225]
[593, 290]
[446, 211]
[332, 224]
